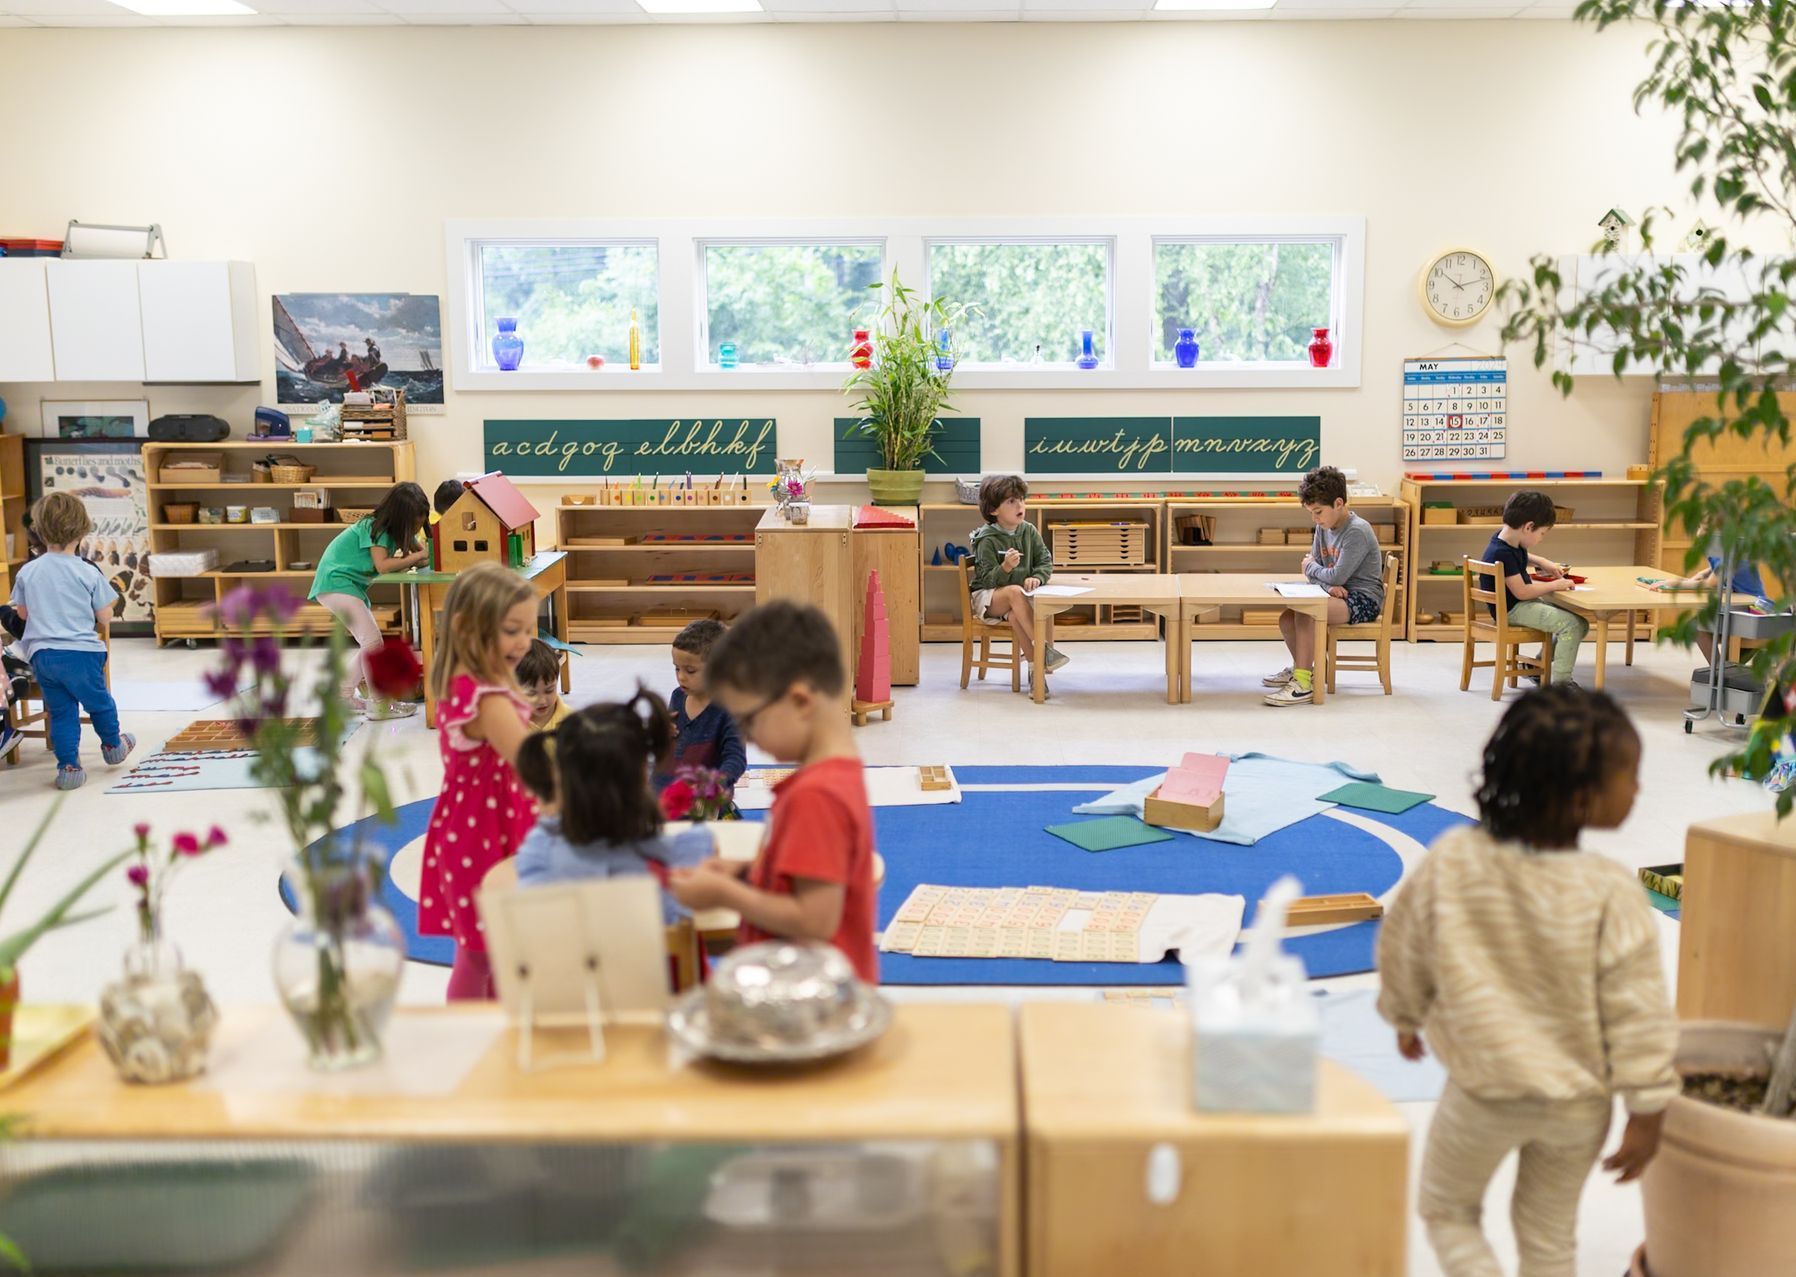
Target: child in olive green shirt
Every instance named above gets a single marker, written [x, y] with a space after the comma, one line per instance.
[1010, 560]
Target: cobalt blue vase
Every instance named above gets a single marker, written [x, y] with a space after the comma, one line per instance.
[1088, 357]
[1185, 349]
[508, 347]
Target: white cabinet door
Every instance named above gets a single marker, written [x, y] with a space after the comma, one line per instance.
[198, 322]
[95, 326]
[25, 321]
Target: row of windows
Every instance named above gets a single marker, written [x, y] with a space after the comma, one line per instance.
[795, 305]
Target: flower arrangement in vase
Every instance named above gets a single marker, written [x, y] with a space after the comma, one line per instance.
[337, 965]
[699, 793]
[156, 1024]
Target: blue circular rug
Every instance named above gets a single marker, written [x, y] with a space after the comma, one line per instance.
[998, 839]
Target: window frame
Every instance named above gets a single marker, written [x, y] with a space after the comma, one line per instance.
[1106, 242]
[683, 307]
[837, 369]
[1157, 363]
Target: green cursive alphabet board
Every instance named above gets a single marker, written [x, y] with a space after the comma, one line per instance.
[956, 443]
[587, 449]
[1246, 445]
[1097, 445]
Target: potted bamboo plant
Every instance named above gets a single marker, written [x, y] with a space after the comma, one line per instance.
[901, 394]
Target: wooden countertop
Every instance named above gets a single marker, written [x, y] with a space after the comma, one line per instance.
[824, 518]
[940, 1072]
[1107, 1072]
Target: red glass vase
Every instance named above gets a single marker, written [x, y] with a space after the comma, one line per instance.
[1321, 348]
[862, 354]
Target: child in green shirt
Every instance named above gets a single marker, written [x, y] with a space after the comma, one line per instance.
[1010, 560]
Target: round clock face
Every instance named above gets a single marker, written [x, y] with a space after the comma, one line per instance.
[1458, 287]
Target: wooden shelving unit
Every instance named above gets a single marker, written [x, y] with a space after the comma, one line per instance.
[953, 522]
[354, 474]
[1614, 522]
[611, 557]
[13, 507]
[1729, 457]
[1236, 548]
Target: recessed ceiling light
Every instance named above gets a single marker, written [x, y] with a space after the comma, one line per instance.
[1191, 6]
[187, 8]
[700, 6]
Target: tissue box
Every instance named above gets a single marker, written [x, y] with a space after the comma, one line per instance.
[183, 563]
[1252, 1054]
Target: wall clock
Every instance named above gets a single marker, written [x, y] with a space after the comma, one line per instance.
[1458, 287]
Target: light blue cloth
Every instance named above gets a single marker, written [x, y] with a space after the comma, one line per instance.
[1263, 793]
[547, 856]
[1353, 1035]
[60, 594]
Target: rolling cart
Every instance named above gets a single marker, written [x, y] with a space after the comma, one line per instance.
[1732, 692]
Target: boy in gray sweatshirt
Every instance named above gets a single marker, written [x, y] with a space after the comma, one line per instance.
[1009, 561]
[1344, 560]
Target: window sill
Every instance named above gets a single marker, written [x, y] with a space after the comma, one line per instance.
[1215, 376]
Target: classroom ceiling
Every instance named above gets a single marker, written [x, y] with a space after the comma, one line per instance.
[315, 13]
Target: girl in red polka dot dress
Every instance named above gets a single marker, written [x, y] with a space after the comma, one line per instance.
[489, 620]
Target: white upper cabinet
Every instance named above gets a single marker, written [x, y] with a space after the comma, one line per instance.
[95, 325]
[25, 321]
[198, 320]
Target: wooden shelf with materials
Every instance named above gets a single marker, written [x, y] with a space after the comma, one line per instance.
[1620, 527]
[185, 604]
[612, 554]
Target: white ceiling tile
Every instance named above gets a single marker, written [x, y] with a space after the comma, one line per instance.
[121, 19]
[1081, 15]
[313, 7]
[783, 8]
[341, 20]
[697, 19]
[583, 19]
[216, 20]
[1283, 14]
[959, 8]
[1554, 12]
[1425, 15]
[1212, 15]
[535, 7]
[56, 9]
[409, 8]
[971, 15]
[789, 18]
[7, 20]
[1121, 8]
[506, 19]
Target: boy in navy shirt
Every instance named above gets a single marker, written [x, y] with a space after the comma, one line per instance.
[705, 734]
[67, 606]
[1527, 517]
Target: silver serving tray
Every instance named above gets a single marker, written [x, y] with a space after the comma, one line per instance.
[690, 1023]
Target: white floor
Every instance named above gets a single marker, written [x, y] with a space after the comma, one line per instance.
[1108, 707]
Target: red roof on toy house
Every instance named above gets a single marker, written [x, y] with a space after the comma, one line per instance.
[502, 497]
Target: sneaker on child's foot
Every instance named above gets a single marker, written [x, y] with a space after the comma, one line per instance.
[1277, 680]
[70, 778]
[10, 736]
[1056, 658]
[116, 754]
[1292, 693]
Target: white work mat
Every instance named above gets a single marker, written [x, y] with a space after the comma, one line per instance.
[886, 787]
[427, 1056]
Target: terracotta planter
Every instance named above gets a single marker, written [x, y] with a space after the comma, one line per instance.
[895, 487]
[1721, 1194]
[9, 999]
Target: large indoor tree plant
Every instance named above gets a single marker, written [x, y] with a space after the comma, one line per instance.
[903, 391]
[1724, 1183]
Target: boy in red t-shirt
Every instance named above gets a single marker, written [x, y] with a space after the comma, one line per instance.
[778, 671]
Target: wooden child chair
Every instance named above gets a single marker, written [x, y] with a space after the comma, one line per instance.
[1507, 660]
[976, 633]
[1378, 633]
[682, 936]
[31, 713]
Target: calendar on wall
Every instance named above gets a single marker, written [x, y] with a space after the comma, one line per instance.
[1455, 409]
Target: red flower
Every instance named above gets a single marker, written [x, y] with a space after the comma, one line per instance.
[676, 800]
[187, 844]
[139, 875]
[393, 668]
[141, 830]
[215, 837]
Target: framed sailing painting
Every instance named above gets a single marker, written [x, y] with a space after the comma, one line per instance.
[327, 344]
[108, 477]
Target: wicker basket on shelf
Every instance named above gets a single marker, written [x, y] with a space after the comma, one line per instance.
[352, 515]
[291, 472]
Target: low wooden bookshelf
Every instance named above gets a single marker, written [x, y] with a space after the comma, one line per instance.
[616, 553]
[1613, 522]
[354, 475]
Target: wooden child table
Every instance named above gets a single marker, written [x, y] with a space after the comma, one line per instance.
[1200, 591]
[1613, 595]
[1152, 592]
[547, 573]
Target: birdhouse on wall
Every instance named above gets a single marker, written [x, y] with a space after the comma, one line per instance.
[1617, 228]
[479, 526]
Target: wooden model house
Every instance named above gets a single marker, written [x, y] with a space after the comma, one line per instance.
[476, 528]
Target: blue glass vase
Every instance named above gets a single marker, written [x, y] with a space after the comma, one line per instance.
[1088, 357]
[944, 344]
[1185, 349]
[508, 347]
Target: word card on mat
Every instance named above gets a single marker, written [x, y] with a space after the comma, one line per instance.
[1060, 924]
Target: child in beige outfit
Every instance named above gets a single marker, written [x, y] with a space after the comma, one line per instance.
[1534, 969]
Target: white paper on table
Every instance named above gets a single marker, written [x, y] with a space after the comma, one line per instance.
[1297, 589]
[1059, 591]
[1194, 925]
[271, 1059]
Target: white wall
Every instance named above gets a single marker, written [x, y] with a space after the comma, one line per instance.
[330, 158]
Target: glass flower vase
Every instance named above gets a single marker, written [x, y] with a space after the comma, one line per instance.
[1185, 350]
[1322, 350]
[337, 964]
[156, 1023]
[508, 347]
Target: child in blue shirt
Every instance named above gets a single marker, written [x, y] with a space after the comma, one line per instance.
[66, 604]
[704, 733]
[598, 817]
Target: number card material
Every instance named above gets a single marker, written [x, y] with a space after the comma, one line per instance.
[1060, 925]
[1455, 409]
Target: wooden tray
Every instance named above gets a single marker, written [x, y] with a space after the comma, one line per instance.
[39, 1032]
